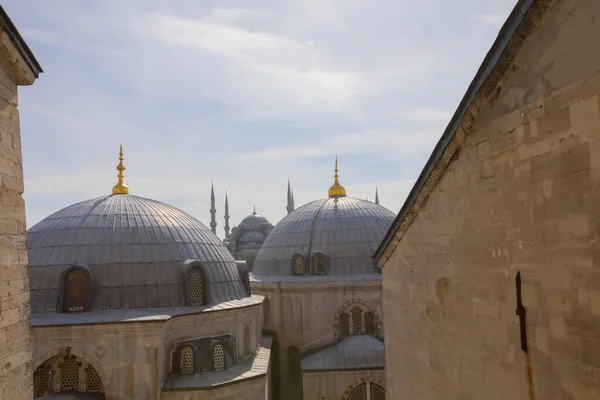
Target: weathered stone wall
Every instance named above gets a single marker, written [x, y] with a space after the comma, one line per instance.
[522, 194]
[15, 348]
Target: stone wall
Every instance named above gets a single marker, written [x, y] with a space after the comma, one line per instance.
[15, 347]
[522, 194]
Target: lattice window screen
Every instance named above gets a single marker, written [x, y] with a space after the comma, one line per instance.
[320, 264]
[93, 382]
[377, 392]
[218, 357]
[76, 284]
[344, 324]
[370, 323]
[356, 321]
[293, 360]
[196, 287]
[267, 311]
[359, 392]
[246, 340]
[299, 265]
[42, 380]
[186, 360]
[69, 374]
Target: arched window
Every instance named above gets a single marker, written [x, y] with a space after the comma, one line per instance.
[320, 264]
[93, 383]
[218, 357]
[377, 392]
[344, 325]
[197, 287]
[69, 373]
[75, 290]
[293, 360]
[267, 311]
[246, 340]
[359, 392]
[42, 380]
[298, 264]
[186, 360]
[356, 320]
[370, 324]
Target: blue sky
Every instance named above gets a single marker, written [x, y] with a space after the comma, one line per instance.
[245, 93]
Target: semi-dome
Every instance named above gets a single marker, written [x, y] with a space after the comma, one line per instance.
[344, 231]
[136, 250]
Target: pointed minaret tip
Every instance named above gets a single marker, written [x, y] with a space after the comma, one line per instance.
[376, 195]
[120, 187]
[254, 212]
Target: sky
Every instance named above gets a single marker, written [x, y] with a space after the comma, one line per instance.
[244, 94]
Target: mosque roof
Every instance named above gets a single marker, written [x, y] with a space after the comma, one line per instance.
[254, 220]
[355, 352]
[136, 250]
[346, 230]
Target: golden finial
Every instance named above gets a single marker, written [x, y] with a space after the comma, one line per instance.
[336, 190]
[120, 187]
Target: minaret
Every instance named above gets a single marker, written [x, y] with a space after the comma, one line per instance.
[213, 210]
[290, 198]
[120, 187]
[376, 196]
[226, 217]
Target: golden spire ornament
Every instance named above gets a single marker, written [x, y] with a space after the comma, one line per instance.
[120, 187]
[336, 190]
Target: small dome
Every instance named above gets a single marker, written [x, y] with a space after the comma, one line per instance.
[254, 221]
[134, 248]
[345, 229]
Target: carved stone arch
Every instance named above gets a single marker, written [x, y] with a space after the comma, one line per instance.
[93, 361]
[191, 269]
[347, 307]
[63, 293]
[366, 382]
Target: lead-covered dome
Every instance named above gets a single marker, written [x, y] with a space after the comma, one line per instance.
[343, 231]
[136, 251]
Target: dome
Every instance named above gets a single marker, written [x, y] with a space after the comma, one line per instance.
[344, 229]
[135, 250]
[254, 220]
[252, 236]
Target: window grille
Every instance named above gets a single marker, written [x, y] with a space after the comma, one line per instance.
[356, 321]
[359, 392]
[344, 325]
[76, 285]
[196, 287]
[319, 264]
[246, 340]
[299, 265]
[218, 357]
[186, 360]
[370, 324]
[293, 360]
[69, 374]
[377, 392]
[93, 383]
[267, 311]
[42, 380]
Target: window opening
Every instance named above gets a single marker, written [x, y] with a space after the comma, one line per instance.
[69, 374]
[93, 383]
[267, 311]
[196, 287]
[186, 360]
[319, 264]
[42, 380]
[76, 284]
[356, 321]
[246, 340]
[370, 325]
[293, 360]
[377, 392]
[218, 357]
[344, 324]
[299, 265]
[359, 392]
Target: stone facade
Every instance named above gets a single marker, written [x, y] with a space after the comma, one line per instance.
[517, 191]
[17, 67]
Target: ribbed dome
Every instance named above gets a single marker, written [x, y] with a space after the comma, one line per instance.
[135, 249]
[345, 229]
